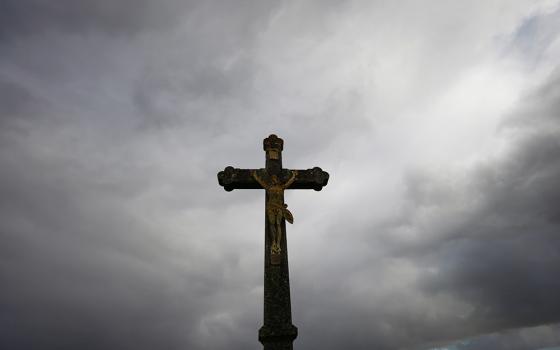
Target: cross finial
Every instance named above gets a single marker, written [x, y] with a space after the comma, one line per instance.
[273, 146]
[273, 142]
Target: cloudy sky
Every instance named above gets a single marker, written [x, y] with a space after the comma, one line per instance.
[438, 122]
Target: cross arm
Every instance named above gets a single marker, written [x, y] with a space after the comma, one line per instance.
[314, 178]
[234, 178]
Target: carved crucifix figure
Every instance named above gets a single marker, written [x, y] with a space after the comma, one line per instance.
[278, 332]
[276, 210]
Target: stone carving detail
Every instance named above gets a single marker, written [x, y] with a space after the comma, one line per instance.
[276, 209]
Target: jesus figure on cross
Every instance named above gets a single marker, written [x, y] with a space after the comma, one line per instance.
[276, 209]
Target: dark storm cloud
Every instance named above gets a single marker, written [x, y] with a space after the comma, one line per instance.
[35, 17]
[173, 58]
[116, 116]
[162, 98]
[80, 266]
[19, 106]
[501, 256]
[479, 251]
[71, 272]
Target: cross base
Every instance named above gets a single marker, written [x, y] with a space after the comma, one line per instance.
[274, 338]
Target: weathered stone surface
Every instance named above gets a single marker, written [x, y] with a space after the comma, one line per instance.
[234, 178]
[277, 332]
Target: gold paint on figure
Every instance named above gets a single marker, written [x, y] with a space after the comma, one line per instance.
[276, 209]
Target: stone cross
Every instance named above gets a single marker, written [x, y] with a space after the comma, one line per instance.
[277, 332]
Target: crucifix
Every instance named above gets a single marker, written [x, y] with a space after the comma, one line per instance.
[277, 332]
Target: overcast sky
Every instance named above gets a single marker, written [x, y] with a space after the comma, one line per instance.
[438, 121]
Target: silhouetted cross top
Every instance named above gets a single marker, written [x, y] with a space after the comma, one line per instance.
[277, 332]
